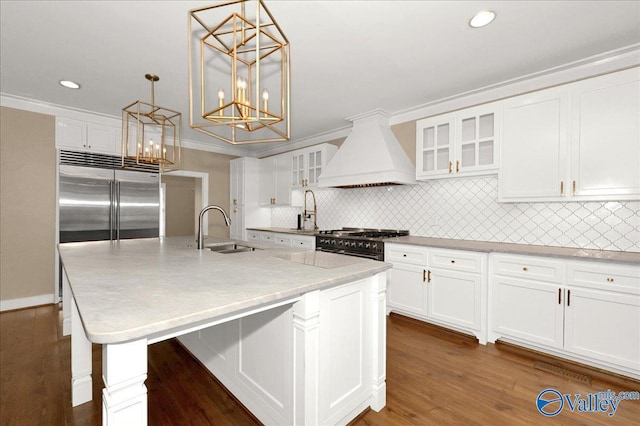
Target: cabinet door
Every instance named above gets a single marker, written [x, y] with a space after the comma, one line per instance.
[71, 134]
[476, 140]
[528, 310]
[454, 297]
[604, 326]
[282, 190]
[533, 147]
[434, 146]
[236, 169]
[103, 138]
[605, 154]
[297, 169]
[407, 291]
[237, 230]
[267, 181]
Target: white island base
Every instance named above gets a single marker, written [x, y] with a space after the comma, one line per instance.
[314, 359]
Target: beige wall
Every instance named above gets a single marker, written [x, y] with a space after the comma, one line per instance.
[217, 165]
[180, 205]
[27, 204]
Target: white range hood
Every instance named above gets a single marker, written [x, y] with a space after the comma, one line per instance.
[370, 156]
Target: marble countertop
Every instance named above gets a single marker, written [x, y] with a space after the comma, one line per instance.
[131, 289]
[510, 248]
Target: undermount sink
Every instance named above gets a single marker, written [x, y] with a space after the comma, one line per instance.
[231, 248]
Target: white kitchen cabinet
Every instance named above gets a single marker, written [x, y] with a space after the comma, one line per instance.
[534, 146]
[245, 211]
[605, 137]
[576, 142]
[307, 164]
[463, 143]
[76, 135]
[274, 181]
[586, 311]
[602, 313]
[446, 287]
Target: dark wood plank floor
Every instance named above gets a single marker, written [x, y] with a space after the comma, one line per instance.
[434, 377]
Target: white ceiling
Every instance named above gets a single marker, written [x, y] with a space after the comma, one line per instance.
[348, 57]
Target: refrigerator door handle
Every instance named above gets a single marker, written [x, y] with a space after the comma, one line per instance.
[117, 210]
[111, 209]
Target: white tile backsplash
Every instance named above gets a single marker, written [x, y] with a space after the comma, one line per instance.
[467, 208]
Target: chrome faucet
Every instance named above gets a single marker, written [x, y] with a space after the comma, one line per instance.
[227, 221]
[308, 213]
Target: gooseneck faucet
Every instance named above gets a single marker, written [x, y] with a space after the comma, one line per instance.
[308, 213]
[227, 221]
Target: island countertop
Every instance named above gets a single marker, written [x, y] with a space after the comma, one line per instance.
[130, 289]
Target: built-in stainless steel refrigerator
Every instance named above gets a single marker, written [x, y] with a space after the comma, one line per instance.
[107, 204]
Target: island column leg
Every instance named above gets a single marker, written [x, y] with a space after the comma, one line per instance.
[306, 360]
[81, 383]
[124, 370]
[379, 341]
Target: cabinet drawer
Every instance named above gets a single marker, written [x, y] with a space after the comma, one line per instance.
[282, 240]
[305, 243]
[605, 276]
[267, 237]
[529, 267]
[456, 260]
[404, 253]
[253, 236]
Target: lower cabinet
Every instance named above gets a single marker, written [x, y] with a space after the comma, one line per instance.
[445, 287]
[586, 311]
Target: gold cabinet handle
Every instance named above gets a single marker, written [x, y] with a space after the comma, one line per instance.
[610, 279]
[559, 296]
[561, 187]
[235, 210]
[524, 268]
[457, 166]
[450, 166]
[235, 202]
[574, 187]
[424, 275]
[429, 276]
[568, 297]
[453, 261]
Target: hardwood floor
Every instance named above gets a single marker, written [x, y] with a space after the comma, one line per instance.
[434, 377]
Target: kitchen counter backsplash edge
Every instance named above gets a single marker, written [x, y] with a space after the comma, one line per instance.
[524, 249]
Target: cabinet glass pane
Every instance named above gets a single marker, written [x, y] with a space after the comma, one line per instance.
[468, 155]
[318, 158]
[428, 158]
[485, 153]
[486, 126]
[468, 129]
[312, 159]
[443, 159]
[428, 137]
[300, 162]
[443, 135]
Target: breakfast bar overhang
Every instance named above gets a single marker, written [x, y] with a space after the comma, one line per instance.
[297, 336]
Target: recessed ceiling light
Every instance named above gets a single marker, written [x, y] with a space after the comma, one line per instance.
[482, 18]
[69, 84]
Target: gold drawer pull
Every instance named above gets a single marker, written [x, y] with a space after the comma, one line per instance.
[610, 280]
[525, 269]
[453, 261]
[457, 166]
[561, 188]
[450, 166]
[424, 275]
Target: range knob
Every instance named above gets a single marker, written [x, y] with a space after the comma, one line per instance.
[374, 246]
[367, 245]
[353, 244]
[360, 244]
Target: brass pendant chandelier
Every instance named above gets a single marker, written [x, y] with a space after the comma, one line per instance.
[238, 73]
[151, 135]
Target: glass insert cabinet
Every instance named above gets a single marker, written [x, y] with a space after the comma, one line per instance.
[459, 143]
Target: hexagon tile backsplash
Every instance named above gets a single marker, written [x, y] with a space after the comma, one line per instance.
[468, 209]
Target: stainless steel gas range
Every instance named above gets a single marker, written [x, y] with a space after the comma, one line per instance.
[360, 242]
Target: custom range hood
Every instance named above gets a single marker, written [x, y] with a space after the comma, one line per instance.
[370, 156]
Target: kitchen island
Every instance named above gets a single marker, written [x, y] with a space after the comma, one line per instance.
[297, 336]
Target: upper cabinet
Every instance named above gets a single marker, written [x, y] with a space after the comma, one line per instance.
[79, 135]
[463, 143]
[576, 142]
[307, 164]
[274, 180]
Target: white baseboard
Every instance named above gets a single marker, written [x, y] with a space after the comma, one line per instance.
[27, 302]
